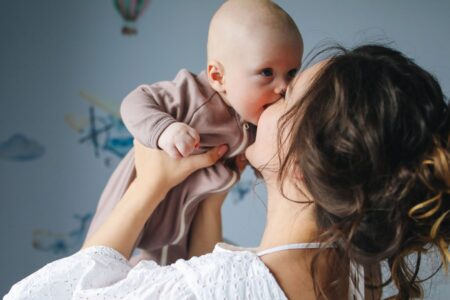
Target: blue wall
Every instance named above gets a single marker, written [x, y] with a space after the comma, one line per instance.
[50, 51]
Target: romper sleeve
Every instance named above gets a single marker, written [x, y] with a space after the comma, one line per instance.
[101, 273]
[149, 109]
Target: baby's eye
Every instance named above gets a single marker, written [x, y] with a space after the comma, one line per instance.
[292, 73]
[267, 72]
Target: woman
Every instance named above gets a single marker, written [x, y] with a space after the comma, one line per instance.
[356, 162]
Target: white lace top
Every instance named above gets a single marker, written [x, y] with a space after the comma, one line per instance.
[103, 273]
[228, 272]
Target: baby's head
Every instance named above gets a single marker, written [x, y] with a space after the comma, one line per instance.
[254, 50]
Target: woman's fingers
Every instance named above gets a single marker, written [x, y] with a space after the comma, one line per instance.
[206, 159]
[156, 165]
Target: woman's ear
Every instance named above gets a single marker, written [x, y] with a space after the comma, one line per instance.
[216, 76]
[298, 174]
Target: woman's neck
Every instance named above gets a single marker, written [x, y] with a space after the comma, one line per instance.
[287, 221]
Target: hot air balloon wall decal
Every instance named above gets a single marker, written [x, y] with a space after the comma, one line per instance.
[130, 10]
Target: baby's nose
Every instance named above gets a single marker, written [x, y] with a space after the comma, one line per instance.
[281, 87]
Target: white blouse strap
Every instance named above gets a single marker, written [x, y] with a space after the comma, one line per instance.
[356, 282]
[292, 246]
[356, 278]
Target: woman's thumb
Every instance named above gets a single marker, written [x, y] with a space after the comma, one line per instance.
[209, 158]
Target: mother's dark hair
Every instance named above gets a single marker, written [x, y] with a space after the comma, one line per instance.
[371, 138]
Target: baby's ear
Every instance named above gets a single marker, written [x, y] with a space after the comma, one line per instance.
[216, 76]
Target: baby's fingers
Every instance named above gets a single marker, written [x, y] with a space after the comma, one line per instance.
[195, 136]
[186, 146]
[173, 152]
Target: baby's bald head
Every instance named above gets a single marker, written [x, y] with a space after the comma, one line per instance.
[254, 51]
[238, 23]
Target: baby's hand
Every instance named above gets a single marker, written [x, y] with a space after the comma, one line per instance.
[179, 140]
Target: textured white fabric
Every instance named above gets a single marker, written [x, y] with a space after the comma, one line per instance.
[103, 273]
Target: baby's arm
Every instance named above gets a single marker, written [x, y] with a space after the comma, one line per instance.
[206, 229]
[155, 114]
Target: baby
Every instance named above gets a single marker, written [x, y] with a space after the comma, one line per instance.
[254, 50]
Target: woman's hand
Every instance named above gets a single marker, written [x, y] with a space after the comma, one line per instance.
[157, 173]
[241, 162]
[156, 169]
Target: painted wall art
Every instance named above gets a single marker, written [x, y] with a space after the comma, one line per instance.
[102, 129]
[130, 11]
[20, 147]
[62, 242]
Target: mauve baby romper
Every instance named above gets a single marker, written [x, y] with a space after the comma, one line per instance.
[147, 112]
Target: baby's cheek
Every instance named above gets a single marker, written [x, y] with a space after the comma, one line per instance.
[250, 113]
[256, 115]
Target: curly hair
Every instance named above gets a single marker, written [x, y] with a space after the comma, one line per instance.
[371, 138]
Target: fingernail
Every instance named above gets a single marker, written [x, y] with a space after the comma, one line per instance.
[222, 150]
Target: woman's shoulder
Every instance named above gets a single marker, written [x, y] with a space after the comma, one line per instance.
[62, 278]
[230, 271]
[102, 272]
